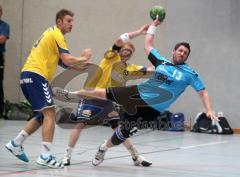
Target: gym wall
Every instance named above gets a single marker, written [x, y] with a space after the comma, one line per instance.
[210, 26]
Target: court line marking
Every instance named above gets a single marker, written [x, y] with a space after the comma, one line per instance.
[205, 144]
[163, 150]
[123, 156]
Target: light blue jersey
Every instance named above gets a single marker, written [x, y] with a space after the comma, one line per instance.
[168, 82]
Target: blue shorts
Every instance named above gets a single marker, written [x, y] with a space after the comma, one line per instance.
[90, 112]
[96, 109]
[92, 108]
[37, 91]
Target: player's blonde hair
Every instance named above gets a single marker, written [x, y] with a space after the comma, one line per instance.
[129, 45]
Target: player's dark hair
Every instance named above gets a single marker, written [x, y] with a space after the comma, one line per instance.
[62, 13]
[185, 44]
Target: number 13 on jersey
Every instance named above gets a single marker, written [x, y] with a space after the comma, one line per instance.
[177, 74]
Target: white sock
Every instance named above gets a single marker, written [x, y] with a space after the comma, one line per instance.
[20, 138]
[134, 153]
[104, 146]
[46, 149]
[69, 152]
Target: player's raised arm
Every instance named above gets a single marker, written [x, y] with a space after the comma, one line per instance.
[149, 38]
[157, 14]
[126, 37]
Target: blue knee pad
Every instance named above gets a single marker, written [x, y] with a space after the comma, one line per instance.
[121, 134]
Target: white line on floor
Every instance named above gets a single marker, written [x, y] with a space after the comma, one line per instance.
[206, 144]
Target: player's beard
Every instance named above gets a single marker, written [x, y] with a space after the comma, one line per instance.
[178, 60]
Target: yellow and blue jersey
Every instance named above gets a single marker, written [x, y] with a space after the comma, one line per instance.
[110, 73]
[168, 82]
[44, 56]
[113, 73]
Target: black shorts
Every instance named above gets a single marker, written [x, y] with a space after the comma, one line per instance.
[133, 105]
[145, 117]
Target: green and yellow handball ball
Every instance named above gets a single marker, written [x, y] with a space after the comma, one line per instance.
[157, 12]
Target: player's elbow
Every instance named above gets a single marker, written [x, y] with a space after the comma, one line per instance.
[118, 42]
[147, 49]
[67, 62]
[203, 93]
[66, 59]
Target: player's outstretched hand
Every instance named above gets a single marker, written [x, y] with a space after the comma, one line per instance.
[212, 116]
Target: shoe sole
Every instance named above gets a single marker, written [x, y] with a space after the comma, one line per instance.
[96, 164]
[67, 164]
[146, 164]
[13, 153]
[45, 165]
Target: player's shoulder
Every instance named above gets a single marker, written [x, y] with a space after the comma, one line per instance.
[188, 69]
[4, 23]
[53, 30]
[113, 60]
[132, 65]
[54, 33]
[159, 56]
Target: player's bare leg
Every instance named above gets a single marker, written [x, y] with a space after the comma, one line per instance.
[46, 158]
[74, 136]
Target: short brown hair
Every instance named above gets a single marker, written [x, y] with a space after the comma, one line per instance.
[185, 44]
[62, 13]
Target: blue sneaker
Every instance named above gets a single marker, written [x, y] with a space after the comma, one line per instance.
[17, 150]
[49, 161]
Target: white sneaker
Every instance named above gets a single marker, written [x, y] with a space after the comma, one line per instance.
[49, 162]
[64, 95]
[141, 161]
[99, 157]
[17, 150]
[66, 161]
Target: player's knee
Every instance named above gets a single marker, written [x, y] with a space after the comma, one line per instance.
[113, 123]
[39, 117]
[80, 126]
[118, 137]
[121, 134]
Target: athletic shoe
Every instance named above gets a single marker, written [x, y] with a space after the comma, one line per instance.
[66, 161]
[64, 95]
[49, 162]
[17, 150]
[141, 161]
[99, 157]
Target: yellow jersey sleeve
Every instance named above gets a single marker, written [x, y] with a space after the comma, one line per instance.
[136, 71]
[113, 73]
